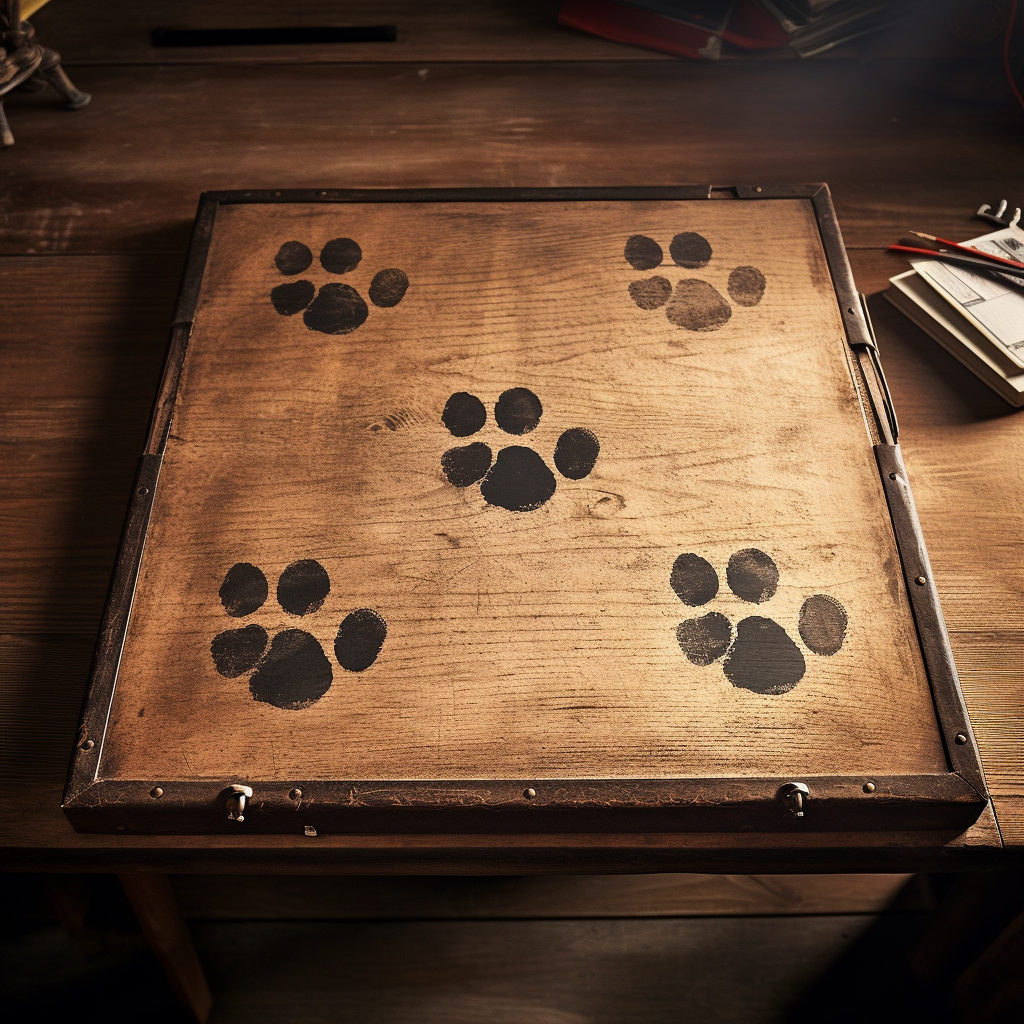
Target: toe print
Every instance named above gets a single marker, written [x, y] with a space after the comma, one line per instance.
[761, 656]
[337, 308]
[823, 624]
[518, 479]
[693, 304]
[360, 638]
[244, 590]
[290, 671]
[518, 411]
[464, 466]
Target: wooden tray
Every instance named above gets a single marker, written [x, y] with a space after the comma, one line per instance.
[544, 509]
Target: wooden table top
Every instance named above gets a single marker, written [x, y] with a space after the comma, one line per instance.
[97, 211]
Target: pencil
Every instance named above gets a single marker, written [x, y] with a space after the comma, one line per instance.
[1011, 269]
[969, 250]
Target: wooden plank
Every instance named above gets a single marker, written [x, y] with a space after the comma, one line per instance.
[457, 30]
[263, 897]
[118, 175]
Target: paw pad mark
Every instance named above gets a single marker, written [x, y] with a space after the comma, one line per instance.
[761, 656]
[693, 304]
[294, 672]
[337, 308]
[518, 479]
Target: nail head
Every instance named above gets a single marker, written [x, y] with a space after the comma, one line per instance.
[960, 738]
[869, 787]
[920, 581]
[143, 490]
[295, 794]
[892, 476]
[88, 744]
[529, 793]
[156, 792]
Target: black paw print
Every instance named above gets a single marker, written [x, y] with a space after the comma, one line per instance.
[337, 308]
[694, 304]
[760, 656]
[294, 673]
[519, 480]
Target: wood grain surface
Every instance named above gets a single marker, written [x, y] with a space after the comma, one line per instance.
[125, 173]
[83, 335]
[521, 642]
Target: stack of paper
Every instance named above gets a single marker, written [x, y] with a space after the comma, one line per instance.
[978, 318]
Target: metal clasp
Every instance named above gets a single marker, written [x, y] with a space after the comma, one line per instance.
[794, 797]
[236, 799]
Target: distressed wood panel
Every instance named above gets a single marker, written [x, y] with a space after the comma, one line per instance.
[531, 625]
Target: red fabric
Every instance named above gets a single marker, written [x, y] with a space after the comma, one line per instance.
[749, 26]
[752, 27]
[634, 26]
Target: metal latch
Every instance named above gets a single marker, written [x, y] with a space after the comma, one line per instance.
[236, 799]
[794, 796]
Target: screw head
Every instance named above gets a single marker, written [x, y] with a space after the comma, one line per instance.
[529, 793]
[309, 830]
[156, 792]
[892, 476]
[295, 794]
[88, 744]
[960, 739]
[869, 787]
[920, 581]
[757, 188]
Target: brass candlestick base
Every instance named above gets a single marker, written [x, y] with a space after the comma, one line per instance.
[23, 61]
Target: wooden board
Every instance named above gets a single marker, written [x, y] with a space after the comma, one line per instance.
[490, 618]
[521, 644]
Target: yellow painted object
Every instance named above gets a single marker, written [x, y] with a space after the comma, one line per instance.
[29, 7]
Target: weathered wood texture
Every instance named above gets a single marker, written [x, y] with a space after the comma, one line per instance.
[522, 643]
[265, 897]
[88, 371]
[120, 175]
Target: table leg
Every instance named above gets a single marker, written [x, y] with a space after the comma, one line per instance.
[154, 904]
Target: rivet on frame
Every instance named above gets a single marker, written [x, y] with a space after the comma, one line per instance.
[920, 581]
[529, 793]
[309, 830]
[143, 491]
[869, 787]
[892, 476]
[960, 739]
[295, 794]
[156, 792]
[88, 744]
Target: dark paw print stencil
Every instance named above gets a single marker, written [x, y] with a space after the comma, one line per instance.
[693, 304]
[337, 308]
[291, 671]
[518, 479]
[760, 655]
